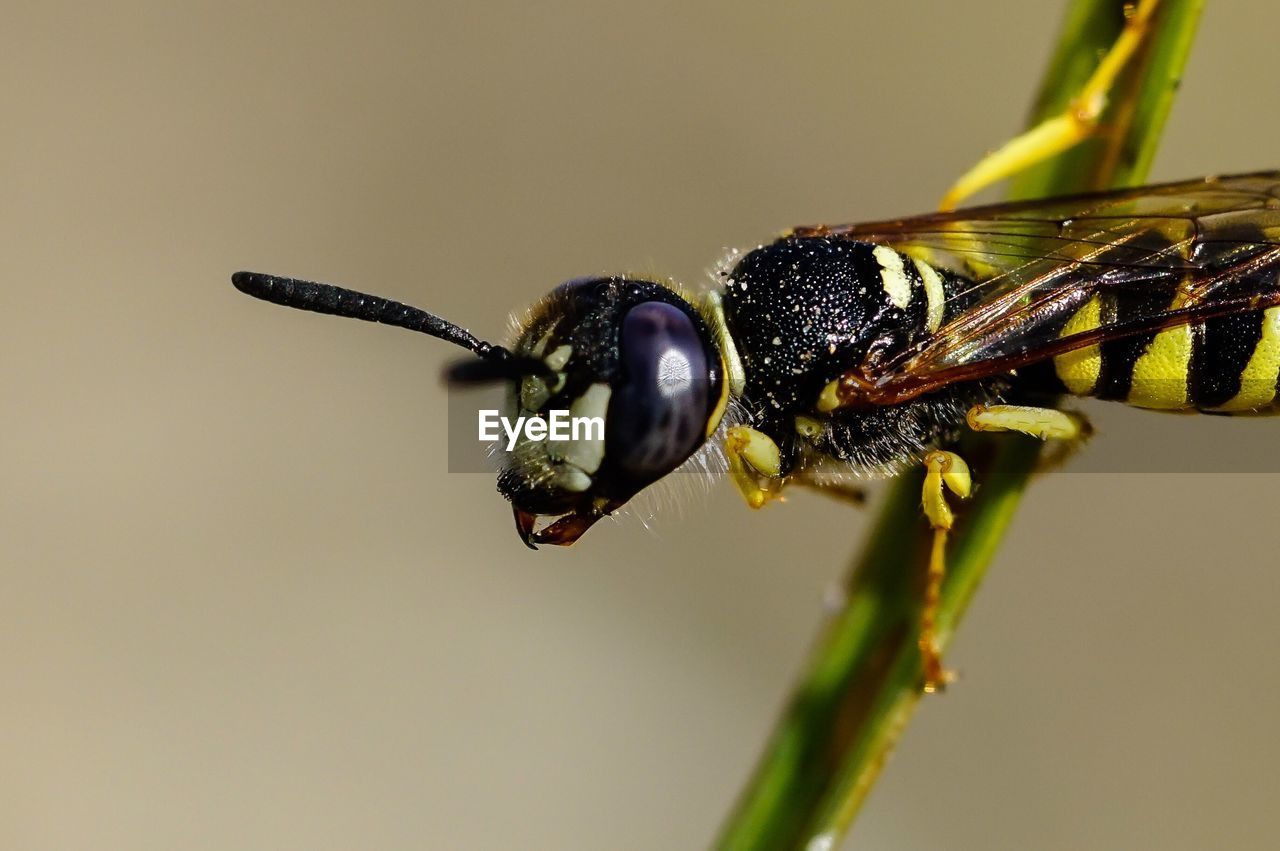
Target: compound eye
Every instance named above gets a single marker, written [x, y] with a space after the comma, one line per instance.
[658, 413]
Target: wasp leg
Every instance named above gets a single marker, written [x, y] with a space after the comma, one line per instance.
[1069, 429]
[842, 491]
[752, 455]
[1044, 423]
[943, 471]
[1075, 124]
[809, 429]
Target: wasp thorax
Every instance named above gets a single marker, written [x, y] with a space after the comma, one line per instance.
[636, 356]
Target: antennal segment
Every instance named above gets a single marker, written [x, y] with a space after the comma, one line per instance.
[338, 301]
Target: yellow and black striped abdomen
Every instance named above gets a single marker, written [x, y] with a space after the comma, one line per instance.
[1230, 364]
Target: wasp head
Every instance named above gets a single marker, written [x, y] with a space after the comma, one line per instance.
[631, 368]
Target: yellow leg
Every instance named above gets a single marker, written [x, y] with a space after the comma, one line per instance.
[1069, 431]
[842, 491]
[753, 454]
[1055, 135]
[943, 471]
[1044, 423]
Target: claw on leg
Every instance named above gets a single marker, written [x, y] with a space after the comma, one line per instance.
[1076, 123]
[944, 471]
[752, 455]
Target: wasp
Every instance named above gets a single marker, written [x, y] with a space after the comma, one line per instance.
[871, 348]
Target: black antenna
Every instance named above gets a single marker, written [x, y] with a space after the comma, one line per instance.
[498, 363]
[326, 298]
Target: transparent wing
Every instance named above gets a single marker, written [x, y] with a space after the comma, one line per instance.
[1172, 254]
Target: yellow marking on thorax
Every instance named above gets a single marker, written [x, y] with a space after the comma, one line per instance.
[713, 312]
[717, 414]
[1258, 380]
[1160, 375]
[935, 295]
[892, 276]
[1079, 369]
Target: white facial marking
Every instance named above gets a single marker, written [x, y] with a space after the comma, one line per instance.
[892, 276]
[573, 479]
[587, 454]
[934, 294]
[557, 359]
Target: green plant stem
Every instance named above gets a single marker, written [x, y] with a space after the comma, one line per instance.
[862, 680]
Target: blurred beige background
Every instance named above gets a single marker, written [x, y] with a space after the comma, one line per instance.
[243, 605]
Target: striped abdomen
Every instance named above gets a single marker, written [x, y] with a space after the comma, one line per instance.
[1230, 364]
